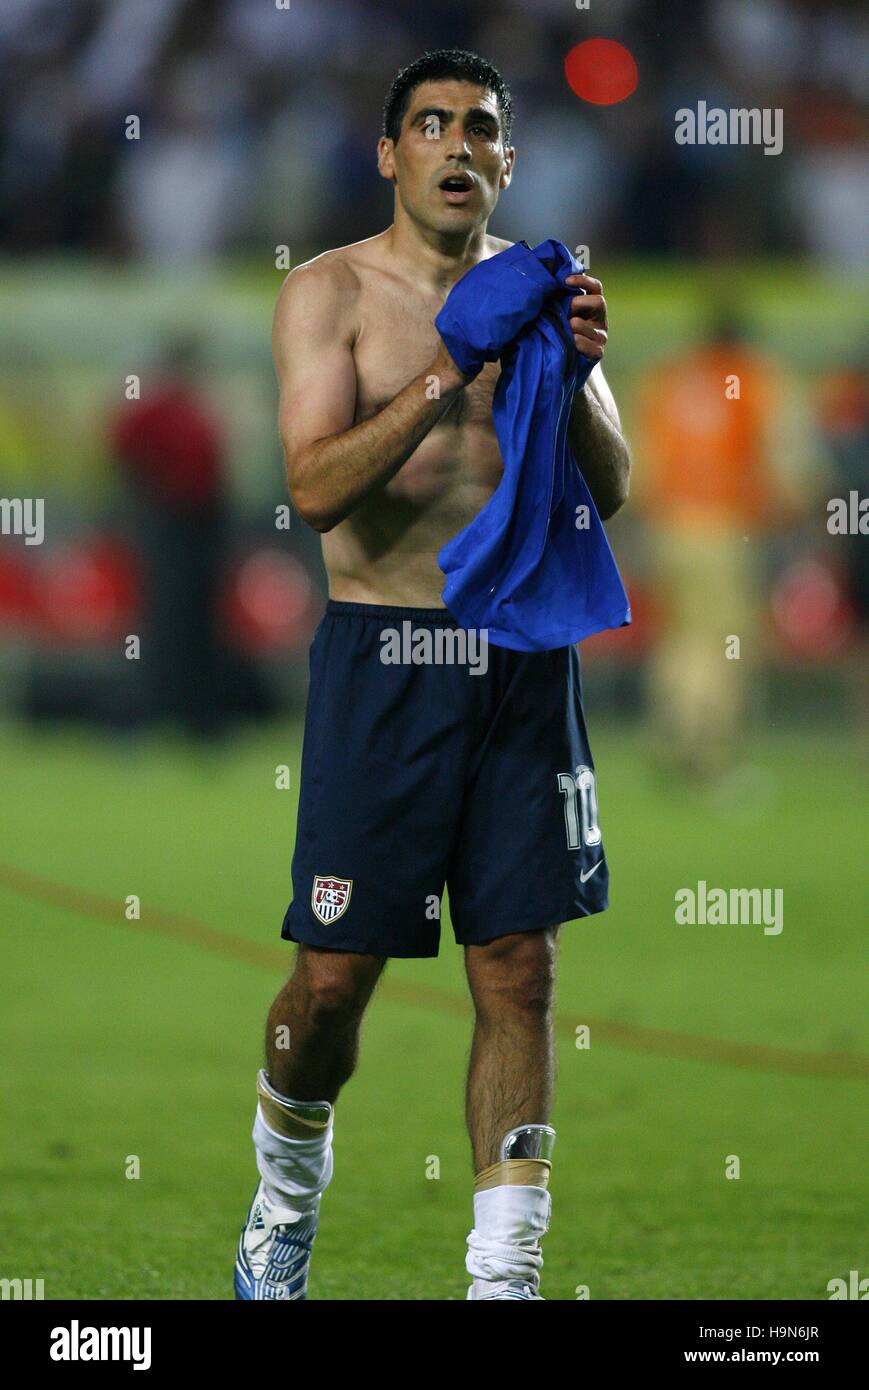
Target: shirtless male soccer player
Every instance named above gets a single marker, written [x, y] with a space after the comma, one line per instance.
[413, 775]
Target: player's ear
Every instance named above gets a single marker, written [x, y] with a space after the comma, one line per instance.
[385, 158]
[507, 173]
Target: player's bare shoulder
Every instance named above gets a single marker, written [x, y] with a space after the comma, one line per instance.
[318, 298]
[496, 245]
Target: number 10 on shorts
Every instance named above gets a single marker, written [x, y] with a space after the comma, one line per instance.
[580, 807]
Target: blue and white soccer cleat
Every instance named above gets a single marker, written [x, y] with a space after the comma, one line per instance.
[274, 1251]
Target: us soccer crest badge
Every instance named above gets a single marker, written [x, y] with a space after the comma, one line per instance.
[330, 897]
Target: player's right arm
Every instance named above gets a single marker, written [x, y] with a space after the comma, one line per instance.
[332, 464]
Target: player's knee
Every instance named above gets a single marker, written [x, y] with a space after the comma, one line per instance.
[515, 974]
[335, 994]
[530, 995]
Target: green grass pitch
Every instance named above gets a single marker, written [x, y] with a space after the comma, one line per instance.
[125, 1039]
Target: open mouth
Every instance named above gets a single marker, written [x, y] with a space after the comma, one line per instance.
[457, 188]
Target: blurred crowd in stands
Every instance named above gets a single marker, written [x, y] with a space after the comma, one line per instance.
[258, 123]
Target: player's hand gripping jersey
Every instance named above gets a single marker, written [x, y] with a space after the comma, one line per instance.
[531, 568]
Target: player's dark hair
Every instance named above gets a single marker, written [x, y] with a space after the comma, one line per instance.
[439, 63]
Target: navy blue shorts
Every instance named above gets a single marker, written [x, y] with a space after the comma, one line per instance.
[420, 775]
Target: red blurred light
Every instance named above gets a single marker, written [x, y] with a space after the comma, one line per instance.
[270, 603]
[601, 71]
[86, 593]
[16, 591]
[811, 615]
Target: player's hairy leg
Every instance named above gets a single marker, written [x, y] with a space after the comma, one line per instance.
[322, 1005]
[511, 1074]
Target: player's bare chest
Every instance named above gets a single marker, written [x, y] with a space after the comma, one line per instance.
[396, 342]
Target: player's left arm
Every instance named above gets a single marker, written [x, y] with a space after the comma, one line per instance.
[595, 431]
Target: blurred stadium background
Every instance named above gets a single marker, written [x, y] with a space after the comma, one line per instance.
[157, 258]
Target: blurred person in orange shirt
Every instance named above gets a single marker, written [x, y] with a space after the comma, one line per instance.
[723, 440]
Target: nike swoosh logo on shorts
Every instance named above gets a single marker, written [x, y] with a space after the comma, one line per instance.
[583, 875]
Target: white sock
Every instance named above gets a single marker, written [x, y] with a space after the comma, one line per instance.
[509, 1222]
[295, 1172]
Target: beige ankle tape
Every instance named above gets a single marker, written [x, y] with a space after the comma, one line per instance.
[282, 1117]
[516, 1172]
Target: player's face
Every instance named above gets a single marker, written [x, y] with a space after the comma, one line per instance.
[449, 164]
